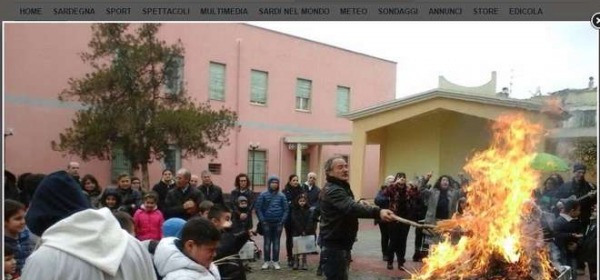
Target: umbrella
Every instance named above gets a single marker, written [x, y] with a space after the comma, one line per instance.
[549, 163]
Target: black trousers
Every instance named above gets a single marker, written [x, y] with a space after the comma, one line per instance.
[385, 237]
[289, 240]
[335, 263]
[418, 243]
[398, 235]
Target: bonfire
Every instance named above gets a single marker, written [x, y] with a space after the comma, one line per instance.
[500, 236]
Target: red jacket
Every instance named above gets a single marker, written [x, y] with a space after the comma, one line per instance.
[148, 224]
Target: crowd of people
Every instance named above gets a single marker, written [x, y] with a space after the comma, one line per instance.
[184, 228]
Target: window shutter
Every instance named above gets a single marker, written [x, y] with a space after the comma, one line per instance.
[217, 81]
[258, 91]
[342, 100]
[303, 88]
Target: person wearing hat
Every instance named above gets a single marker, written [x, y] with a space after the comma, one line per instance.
[272, 211]
[580, 189]
[172, 227]
[242, 215]
[584, 192]
[79, 241]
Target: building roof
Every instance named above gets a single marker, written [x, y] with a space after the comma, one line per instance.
[571, 91]
[574, 132]
[443, 93]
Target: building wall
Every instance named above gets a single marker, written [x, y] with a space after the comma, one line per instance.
[413, 146]
[39, 61]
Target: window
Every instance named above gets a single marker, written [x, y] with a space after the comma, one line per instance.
[174, 75]
[119, 163]
[172, 160]
[581, 118]
[217, 81]
[214, 168]
[257, 167]
[303, 91]
[342, 102]
[258, 87]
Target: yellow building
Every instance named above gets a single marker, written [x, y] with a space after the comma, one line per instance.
[437, 130]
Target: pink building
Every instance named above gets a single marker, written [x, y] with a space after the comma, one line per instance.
[286, 90]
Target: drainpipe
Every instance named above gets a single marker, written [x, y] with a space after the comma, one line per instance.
[237, 101]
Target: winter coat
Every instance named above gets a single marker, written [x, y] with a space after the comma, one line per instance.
[291, 194]
[213, 193]
[172, 264]
[230, 245]
[148, 223]
[563, 230]
[589, 242]
[313, 194]
[431, 197]
[108, 192]
[175, 199]
[398, 200]
[22, 247]
[303, 220]
[238, 223]
[130, 200]
[271, 206]
[579, 190]
[89, 245]
[340, 213]
[162, 189]
[237, 192]
[93, 197]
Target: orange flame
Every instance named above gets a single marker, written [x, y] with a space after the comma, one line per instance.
[498, 202]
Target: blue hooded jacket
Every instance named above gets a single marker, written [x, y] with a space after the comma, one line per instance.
[271, 206]
[57, 197]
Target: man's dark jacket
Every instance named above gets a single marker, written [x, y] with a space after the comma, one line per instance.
[340, 213]
[213, 193]
[175, 200]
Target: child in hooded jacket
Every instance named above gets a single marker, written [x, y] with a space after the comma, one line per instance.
[148, 219]
[304, 224]
[111, 199]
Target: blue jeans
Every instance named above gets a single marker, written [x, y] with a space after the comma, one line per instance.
[335, 263]
[272, 235]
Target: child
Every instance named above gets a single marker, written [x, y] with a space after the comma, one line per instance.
[125, 221]
[272, 211]
[303, 225]
[10, 264]
[242, 217]
[191, 256]
[567, 233]
[111, 199]
[148, 219]
[16, 236]
[227, 258]
[204, 207]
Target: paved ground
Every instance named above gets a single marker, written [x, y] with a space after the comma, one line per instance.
[367, 259]
[367, 264]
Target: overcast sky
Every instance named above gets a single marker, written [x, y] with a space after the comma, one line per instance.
[548, 55]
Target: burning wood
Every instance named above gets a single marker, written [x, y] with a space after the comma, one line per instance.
[499, 234]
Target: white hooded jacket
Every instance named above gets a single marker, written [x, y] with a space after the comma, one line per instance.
[172, 264]
[89, 245]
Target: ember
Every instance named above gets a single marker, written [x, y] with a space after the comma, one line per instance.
[504, 238]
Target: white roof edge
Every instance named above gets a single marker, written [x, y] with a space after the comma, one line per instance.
[332, 138]
[396, 103]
